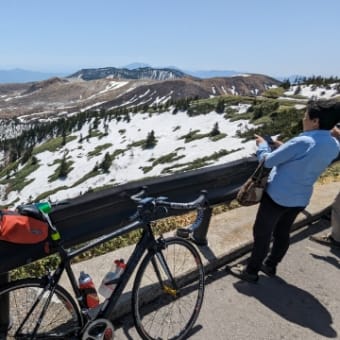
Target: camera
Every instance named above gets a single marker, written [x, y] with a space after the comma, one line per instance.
[269, 140]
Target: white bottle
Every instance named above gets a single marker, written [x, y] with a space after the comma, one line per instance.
[109, 281]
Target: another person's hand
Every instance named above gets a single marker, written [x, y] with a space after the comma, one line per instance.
[277, 143]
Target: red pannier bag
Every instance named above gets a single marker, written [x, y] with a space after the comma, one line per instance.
[21, 229]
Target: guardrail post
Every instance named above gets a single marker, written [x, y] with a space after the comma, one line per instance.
[4, 306]
[199, 233]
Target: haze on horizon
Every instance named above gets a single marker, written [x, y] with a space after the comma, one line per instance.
[273, 38]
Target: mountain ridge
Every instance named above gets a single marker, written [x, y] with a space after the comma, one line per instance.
[125, 73]
[64, 96]
[19, 75]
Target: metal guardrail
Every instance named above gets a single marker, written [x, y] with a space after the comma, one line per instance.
[94, 214]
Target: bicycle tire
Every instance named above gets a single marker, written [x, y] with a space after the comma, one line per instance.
[62, 319]
[168, 313]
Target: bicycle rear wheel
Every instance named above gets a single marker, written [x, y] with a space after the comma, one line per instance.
[61, 320]
[163, 307]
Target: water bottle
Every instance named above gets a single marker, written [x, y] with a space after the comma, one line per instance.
[44, 207]
[110, 280]
[88, 290]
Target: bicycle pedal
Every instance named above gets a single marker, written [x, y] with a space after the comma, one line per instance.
[99, 329]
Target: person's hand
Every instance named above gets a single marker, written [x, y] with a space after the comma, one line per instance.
[335, 132]
[259, 139]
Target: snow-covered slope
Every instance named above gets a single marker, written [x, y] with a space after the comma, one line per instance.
[130, 163]
[312, 91]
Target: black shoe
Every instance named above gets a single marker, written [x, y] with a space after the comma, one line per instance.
[240, 271]
[326, 240]
[268, 270]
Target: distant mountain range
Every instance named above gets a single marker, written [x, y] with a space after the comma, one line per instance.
[108, 88]
[18, 75]
[22, 76]
[125, 73]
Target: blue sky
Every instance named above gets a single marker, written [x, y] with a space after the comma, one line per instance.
[278, 38]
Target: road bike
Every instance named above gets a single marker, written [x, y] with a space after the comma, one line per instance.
[167, 293]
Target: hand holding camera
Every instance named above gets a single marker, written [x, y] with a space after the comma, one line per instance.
[273, 144]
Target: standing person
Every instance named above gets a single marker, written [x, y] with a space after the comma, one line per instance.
[332, 238]
[296, 165]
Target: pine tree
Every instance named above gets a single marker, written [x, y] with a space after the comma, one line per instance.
[150, 141]
[220, 106]
[64, 137]
[34, 160]
[62, 172]
[285, 84]
[106, 163]
[26, 156]
[215, 131]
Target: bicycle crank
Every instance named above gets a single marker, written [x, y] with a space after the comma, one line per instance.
[99, 329]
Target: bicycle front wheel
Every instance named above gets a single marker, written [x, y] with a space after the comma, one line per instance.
[26, 300]
[168, 291]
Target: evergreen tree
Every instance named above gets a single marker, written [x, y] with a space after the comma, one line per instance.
[150, 141]
[215, 131]
[62, 171]
[285, 84]
[26, 156]
[95, 123]
[106, 163]
[34, 160]
[220, 106]
[64, 137]
[297, 90]
[96, 167]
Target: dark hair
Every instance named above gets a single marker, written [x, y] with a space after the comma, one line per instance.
[327, 111]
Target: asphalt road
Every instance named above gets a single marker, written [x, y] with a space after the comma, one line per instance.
[302, 302]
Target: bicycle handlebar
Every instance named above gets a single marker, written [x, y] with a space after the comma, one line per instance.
[198, 202]
[162, 201]
[139, 195]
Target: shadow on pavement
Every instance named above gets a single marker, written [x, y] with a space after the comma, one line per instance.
[329, 259]
[291, 303]
[308, 230]
[126, 323]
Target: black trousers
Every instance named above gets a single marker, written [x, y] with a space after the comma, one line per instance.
[272, 221]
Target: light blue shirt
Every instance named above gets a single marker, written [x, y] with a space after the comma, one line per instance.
[296, 165]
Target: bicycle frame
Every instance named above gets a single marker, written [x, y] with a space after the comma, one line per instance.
[67, 256]
[146, 242]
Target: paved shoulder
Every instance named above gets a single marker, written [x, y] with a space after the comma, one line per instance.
[303, 302]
